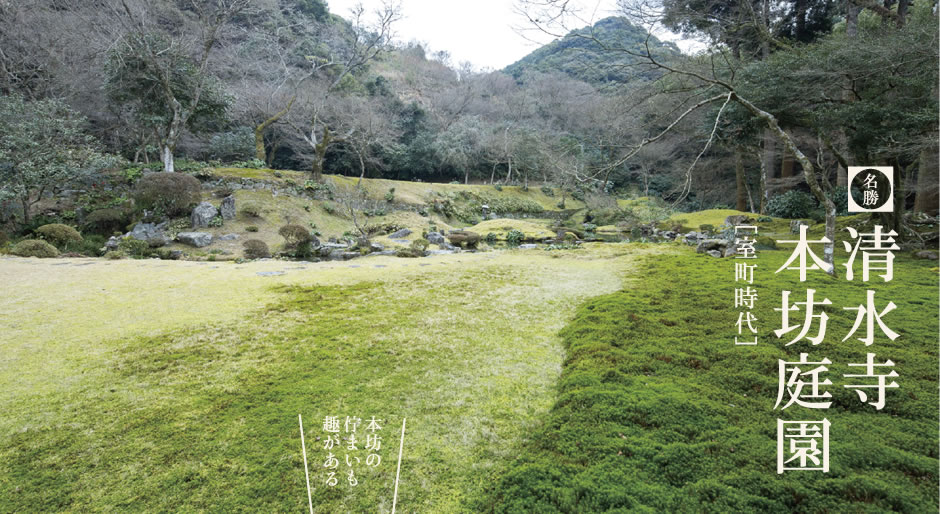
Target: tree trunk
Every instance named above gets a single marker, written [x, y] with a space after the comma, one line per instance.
[809, 173]
[741, 203]
[169, 165]
[25, 201]
[768, 160]
[466, 176]
[259, 130]
[786, 166]
[320, 154]
[764, 194]
[493, 173]
[509, 163]
[173, 133]
[902, 12]
[925, 196]
[362, 169]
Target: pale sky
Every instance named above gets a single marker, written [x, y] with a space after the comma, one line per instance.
[478, 31]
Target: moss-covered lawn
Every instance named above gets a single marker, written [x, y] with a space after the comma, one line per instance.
[173, 386]
[658, 411]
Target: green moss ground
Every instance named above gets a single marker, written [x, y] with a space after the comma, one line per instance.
[659, 412]
[175, 386]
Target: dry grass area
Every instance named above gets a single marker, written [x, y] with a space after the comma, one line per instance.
[160, 385]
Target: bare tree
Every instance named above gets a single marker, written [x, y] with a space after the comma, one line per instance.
[368, 40]
[159, 62]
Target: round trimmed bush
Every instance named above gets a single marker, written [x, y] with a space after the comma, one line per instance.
[59, 235]
[34, 248]
[295, 235]
[256, 249]
[174, 194]
[107, 221]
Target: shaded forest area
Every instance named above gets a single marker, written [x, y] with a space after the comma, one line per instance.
[605, 109]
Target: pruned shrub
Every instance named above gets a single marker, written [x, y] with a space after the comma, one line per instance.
[294, 235]
[251, 228]
[115, 256]
[706, 227]
[547, 191]
[792, 204]
[464, 238]
[34, 248]
[251, 210]
[256, 249]
[59, 235]
[173, 194]
[107, 221]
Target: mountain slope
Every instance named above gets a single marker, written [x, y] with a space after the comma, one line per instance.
[584, 59]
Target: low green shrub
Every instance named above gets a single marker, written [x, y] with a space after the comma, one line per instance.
[115, 255]
[706, 227]
[59, 235]
[514, 237]
[256, 249]
[135, 248]
[547, 191]
[390, 195]
[34, 248]
[107, 221]
[251, 228]
[251, 210]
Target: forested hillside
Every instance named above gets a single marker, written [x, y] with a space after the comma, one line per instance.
[585, 54]
[286, 85]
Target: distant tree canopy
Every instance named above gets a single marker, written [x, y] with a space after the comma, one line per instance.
[288, 83]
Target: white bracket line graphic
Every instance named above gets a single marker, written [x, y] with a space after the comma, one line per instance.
[401, 446]
[306, 472]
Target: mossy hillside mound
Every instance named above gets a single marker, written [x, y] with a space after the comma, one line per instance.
[501, 227]
[658, 411]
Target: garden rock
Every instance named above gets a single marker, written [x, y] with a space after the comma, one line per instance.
[113, 243]
[436, 238]
[197, 239]
[795, 226]
[228, 237]
[149, 232]
[714, 253]
[203, 214]
[328, 248]
[528, 247]
[228, 207]
[709, 245]
[400, 234]
[926, 254]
